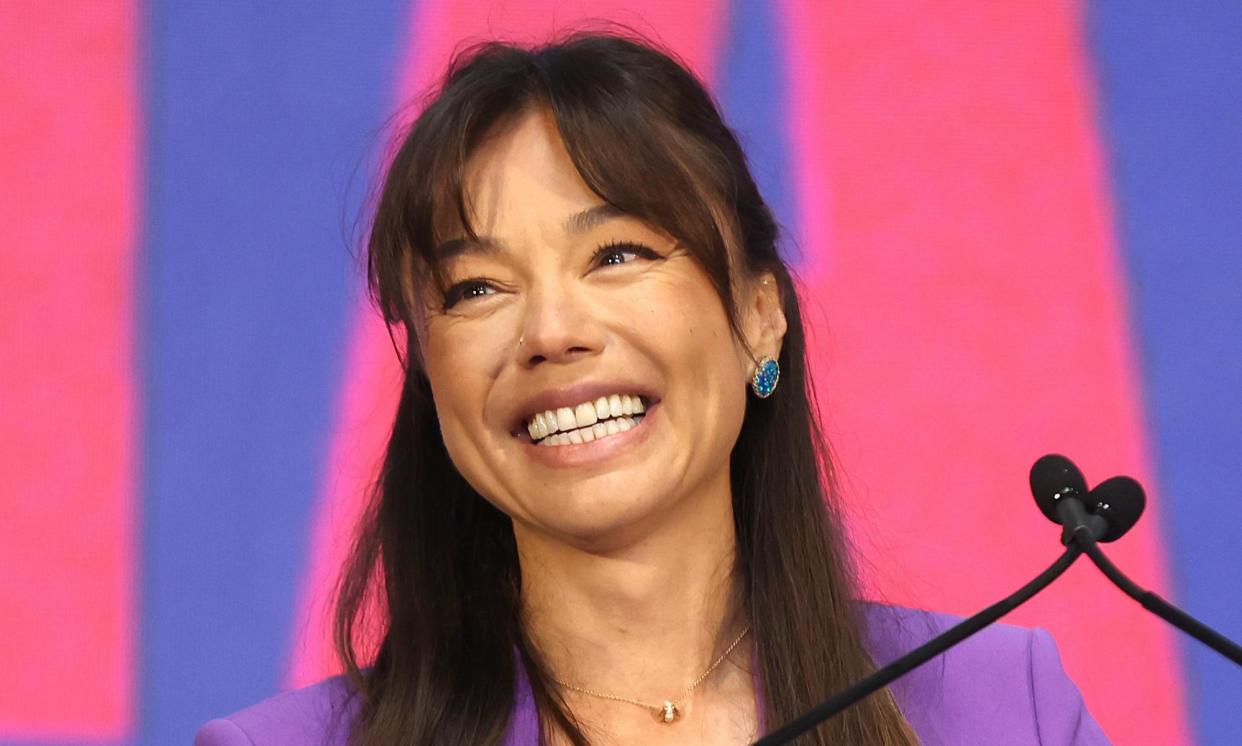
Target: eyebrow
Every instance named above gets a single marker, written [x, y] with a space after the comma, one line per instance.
[577, 224]
[592, 217]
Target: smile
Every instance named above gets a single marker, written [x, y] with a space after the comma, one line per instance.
[587, 422]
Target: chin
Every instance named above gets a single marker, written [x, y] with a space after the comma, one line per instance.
[593, 520]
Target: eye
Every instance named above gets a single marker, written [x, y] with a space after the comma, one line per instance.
[466, 290]
[623, 252]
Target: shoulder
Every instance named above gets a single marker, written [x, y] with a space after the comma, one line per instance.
[1004, 684]
[317, 714]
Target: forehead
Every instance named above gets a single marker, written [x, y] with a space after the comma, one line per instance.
[523, 170]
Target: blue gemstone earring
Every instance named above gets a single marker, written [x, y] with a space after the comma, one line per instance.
[766, 376]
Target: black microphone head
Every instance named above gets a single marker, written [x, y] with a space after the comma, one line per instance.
[1052, 478]
[1120, 501]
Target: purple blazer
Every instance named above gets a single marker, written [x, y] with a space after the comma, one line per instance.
[1004, 685]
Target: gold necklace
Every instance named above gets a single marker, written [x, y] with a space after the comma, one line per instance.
[668, 711]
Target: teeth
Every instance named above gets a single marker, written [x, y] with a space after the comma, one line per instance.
[585, 414]
[592, 432]
[592, 416]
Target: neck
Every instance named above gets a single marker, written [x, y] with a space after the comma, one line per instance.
[642, 620]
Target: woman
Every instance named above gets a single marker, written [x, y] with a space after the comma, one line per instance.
[602, 516]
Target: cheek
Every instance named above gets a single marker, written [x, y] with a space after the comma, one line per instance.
[460, 366]
[463, 434]
[463, 359]
[689, 323]
[704, 364]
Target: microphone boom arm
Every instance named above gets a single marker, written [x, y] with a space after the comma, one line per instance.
[920, 655]
[1081, 532]
[1160, 607]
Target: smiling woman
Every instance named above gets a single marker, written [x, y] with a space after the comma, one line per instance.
[586, 530]
[574, 305]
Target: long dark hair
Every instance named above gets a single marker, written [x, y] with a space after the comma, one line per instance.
[435, 567]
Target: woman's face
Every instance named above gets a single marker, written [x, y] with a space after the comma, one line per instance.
[567, 311]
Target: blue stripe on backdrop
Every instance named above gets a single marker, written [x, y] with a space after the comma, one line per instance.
[751, 89]
[1171, 88]
[257, 117]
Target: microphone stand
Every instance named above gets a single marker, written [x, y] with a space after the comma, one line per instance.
[1079, 538]
[920, 655]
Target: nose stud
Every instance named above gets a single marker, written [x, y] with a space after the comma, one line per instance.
[767, 373]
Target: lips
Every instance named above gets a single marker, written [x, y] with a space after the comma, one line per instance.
[583, 448]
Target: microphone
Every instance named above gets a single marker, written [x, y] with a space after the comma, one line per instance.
[1087, 517]
[1115, 506]
[1053, 479]
[1060, 489]
[1120, 502]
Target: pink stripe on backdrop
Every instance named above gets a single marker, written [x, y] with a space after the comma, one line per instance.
[67, 416]
[971, 317]
[372, 379]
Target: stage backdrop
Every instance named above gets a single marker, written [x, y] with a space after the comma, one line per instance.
[1016, 224]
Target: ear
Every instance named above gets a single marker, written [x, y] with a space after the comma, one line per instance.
[763, 318]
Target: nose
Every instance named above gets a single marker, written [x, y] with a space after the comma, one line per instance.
[558, 326]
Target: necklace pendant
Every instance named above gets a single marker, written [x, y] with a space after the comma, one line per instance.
[670, 712]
